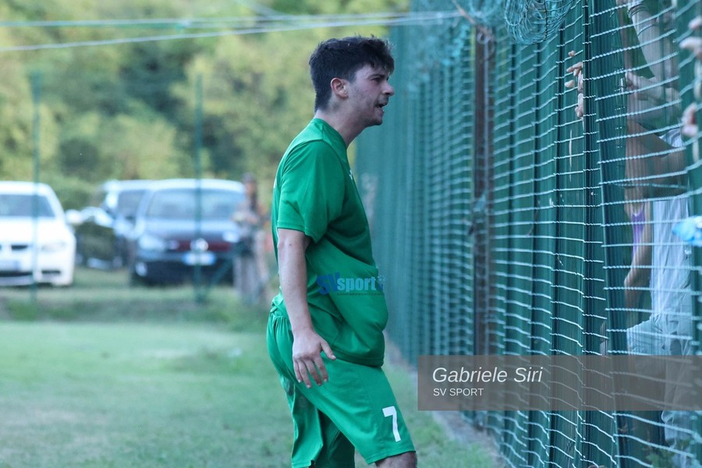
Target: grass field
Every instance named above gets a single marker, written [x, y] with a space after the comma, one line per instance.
[101, 375]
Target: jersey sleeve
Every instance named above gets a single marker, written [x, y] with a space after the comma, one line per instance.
[312, 189]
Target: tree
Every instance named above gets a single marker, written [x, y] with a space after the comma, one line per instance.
[128, 111]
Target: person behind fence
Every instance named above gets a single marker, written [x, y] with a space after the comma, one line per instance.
[657, 187]
[653, 127]
[326, 344]
[656, 161]
[249, 257]
[690, 127]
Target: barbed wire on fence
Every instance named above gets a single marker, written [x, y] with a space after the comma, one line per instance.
[487, 12]
[532, 21]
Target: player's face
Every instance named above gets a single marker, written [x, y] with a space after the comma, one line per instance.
[369, 94]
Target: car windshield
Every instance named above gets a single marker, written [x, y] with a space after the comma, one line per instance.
[128, 202]
[22, 206]
[181, 204]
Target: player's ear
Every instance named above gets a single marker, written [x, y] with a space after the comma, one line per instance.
[339, 87]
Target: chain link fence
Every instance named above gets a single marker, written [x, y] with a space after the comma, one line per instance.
[522, 195]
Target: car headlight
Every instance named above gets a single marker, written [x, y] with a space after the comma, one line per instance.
[53, 246]
[151, 242]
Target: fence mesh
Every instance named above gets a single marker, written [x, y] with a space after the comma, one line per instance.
[523, 198]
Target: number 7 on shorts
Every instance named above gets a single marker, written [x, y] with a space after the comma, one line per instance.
[392, 411]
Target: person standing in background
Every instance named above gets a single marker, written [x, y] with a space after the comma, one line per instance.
[250, 269]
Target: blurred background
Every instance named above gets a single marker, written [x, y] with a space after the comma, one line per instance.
[99, 101]
[138, 143]
[534, 189]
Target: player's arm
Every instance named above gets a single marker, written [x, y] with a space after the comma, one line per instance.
[307, 344]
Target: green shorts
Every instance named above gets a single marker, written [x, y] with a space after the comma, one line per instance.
[356, 408]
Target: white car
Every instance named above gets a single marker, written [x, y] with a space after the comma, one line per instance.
[52, 261]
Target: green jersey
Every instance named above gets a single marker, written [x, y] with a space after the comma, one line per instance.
[315, 193]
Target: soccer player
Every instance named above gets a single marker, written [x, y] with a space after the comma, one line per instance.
[325, 330]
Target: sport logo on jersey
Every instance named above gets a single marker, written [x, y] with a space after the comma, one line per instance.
[335, 283]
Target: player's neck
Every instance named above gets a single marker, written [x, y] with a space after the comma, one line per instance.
[347, 128]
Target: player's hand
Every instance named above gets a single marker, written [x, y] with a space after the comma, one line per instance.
[307, 357]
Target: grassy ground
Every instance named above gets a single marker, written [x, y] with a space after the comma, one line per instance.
[101, 375]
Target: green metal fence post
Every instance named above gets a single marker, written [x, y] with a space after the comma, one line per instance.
[197, 278]
[36, 79]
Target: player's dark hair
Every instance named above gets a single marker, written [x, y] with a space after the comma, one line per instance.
[342, 58]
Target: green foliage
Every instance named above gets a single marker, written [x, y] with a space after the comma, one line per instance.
[15, 116]
[128, 111]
